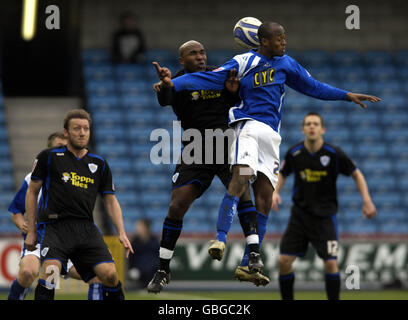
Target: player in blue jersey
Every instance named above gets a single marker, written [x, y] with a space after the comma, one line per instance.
[30, 260]
[257, 118]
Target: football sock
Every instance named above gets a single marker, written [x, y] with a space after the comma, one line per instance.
[262, 221]
[286, 283]
[95, 291]
[248, 219]
[226, 215]
[17, 292]
[113, 293]
[171, 232]
[332, 281]
[44, 290]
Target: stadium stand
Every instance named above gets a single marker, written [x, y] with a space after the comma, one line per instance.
[6, 173]
[125, 112]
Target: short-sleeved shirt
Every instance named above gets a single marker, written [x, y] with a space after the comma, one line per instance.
[314, 190]
[70, 184]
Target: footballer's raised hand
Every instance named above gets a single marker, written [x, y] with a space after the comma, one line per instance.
[232, 83]
[164, 74]
[156, 86]
[358, 97]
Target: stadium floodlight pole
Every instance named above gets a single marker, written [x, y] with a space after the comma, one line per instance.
[29, 20]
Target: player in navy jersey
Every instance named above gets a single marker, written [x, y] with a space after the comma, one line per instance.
[70, 177]
[30, 260]
[200, 110]
[316, 166]
[257, 118]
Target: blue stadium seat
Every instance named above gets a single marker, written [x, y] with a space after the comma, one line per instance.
[403, 73]
[374, 150]
[157, 198]
[381, 166]
[109, 150]
[108, 117]
[387, 200]
[137, 102]
[349, 200]
[359, 119]
[5, 166]
[367, 135]
[396, 136]
[98, 72]
[401, 57]
[120, 165]
[127, 199]
[393, 102]
[125, 181]
[4, 150]
[361, 227]
[134, 87]
[219, 57]
[382, 73]
[95, 56]
[162, 56]
[96, 103]
[395, 119]
[393, 228]
[5, 199]
[346, 58]
[383, 88]
[131, 72]
[6, 182]
[351, 73]
[380, 183]
[313, 58]
[154, 182]
[361, 85]
[105, 132]
[100, 88]
[399, 152]
[323, 73]
[400, 168]
[378, 58]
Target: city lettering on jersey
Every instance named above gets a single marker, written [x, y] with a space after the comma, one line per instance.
[312, 175]
[264, 77]
[77, 180]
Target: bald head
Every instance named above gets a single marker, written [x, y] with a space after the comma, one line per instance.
[186, 46]
[193, 56]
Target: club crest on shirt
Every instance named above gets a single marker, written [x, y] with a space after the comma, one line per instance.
[324, 160]
[175, 176]
[93, 167]
[44, 251]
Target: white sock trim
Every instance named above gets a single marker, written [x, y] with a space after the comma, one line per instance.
[252, 239]
[165, 253]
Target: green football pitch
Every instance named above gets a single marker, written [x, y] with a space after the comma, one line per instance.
[242, 295]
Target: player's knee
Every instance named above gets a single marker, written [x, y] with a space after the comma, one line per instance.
[330, 266]
[177, 210]
[285, 263]
[27, 275]
[110, 277]
[263, 203]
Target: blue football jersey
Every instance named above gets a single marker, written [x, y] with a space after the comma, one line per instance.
[262, 89]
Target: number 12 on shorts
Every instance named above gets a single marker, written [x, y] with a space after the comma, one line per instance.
[333, 248]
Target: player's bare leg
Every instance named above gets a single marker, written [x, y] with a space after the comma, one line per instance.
[286, 276]
[95, 285]
[111, 286]
[29, 269]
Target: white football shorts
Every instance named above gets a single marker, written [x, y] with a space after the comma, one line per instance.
[257, 145]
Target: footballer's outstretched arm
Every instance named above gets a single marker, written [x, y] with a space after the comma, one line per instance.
[115, 213]
[301, 80]
[369, 209]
